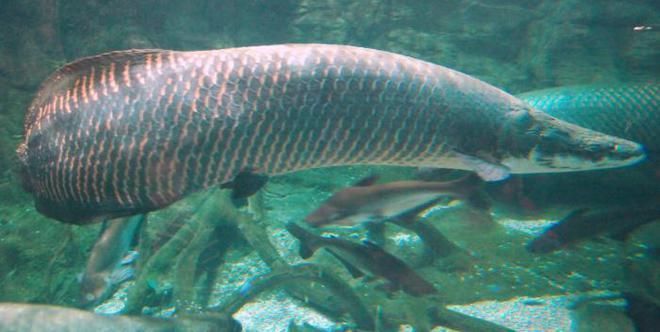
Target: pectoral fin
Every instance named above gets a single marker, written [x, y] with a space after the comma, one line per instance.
[486, 170]
[121, 274]
[245, 184]
[130, 257]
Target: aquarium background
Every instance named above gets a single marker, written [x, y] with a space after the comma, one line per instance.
[515, 45]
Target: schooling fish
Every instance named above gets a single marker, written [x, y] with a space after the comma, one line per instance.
[130, 132]
[104, 269]
[631, 111]
[584, 224]
[368, 202]
[367, 256]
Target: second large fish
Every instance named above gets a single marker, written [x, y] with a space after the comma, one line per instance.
[130, 132]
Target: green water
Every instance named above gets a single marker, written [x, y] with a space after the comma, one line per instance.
[515, 45]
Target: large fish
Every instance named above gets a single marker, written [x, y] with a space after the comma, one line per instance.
[631, 111]
[130, 132]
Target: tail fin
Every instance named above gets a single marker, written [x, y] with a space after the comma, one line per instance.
[308, 240]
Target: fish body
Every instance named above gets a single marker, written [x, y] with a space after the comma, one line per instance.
[372, 202]
[129, 132]
[105, 269]
[584, 224]
[630, 111]
[366, 256]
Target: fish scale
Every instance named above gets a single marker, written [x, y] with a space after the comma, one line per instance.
[130, 132]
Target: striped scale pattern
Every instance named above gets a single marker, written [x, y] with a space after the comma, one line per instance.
[133, 131]
[630, 111]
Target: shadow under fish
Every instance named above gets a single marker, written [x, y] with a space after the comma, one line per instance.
[364, 256]
[583, 224]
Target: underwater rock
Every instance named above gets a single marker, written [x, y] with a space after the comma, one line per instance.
[21, 317]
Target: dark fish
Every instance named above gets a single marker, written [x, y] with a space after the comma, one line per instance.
[23, 317]
[129, 132]
[631, 111]
[367, 256]
[584, 224]
[644, 313]
[367, 201]
[104, 270]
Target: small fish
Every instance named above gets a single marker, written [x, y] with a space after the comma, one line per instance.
[368, 257]
[24, 317]
[107, 264]
[367, 201]
[583, 224]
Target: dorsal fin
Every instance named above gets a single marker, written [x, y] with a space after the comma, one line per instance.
[65, 77]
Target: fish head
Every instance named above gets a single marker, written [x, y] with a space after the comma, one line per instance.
[325, 214]
[535, 142]
[93, 289]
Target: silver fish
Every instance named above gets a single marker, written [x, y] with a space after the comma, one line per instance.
[369, 202]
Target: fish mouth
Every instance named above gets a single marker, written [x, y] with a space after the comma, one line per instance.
[629, 153]
[603, 151]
